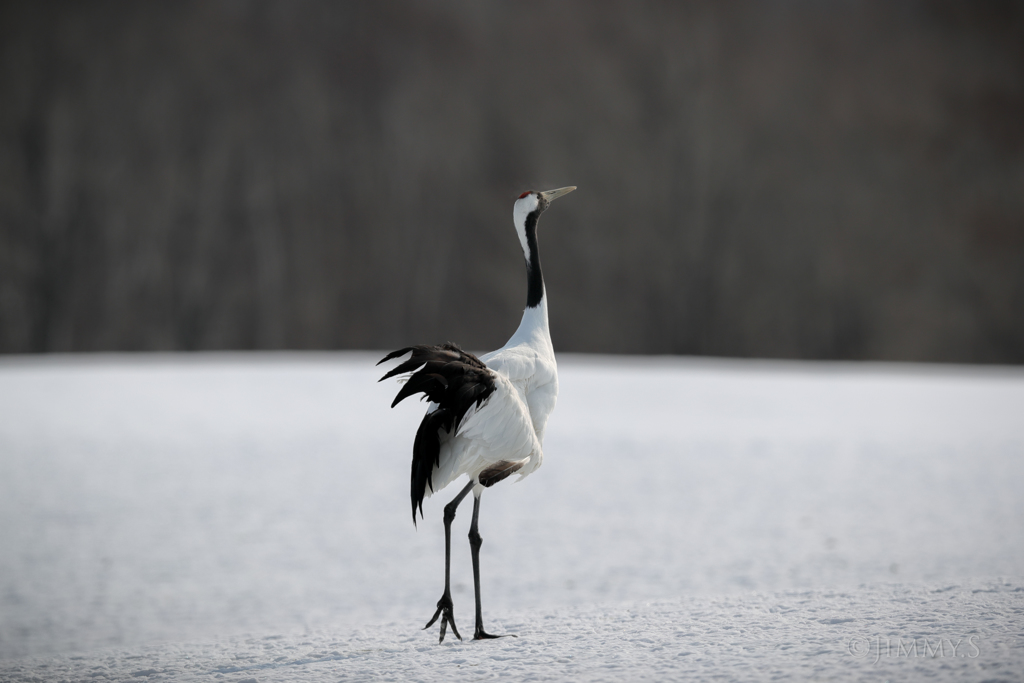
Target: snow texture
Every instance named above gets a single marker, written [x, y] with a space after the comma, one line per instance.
[241, 517]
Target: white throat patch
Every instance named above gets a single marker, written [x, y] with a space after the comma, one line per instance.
[522, 208]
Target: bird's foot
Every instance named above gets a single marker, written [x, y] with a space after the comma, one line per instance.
[481, 634]
[445, 610]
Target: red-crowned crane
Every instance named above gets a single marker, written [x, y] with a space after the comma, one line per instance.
[487, 415]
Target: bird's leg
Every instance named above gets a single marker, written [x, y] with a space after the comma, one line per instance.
[445, 607]
[475, 541]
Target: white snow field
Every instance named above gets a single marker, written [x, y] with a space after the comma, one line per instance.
[245, 517]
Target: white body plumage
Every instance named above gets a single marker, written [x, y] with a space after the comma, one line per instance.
[509, 425]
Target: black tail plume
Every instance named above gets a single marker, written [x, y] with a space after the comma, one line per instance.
[453, 379]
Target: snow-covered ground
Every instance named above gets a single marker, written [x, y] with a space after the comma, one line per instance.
[246, 517]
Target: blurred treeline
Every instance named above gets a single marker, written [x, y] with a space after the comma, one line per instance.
[781, 179]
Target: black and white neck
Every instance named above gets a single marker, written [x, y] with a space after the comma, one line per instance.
[525, 214]
[527, 211]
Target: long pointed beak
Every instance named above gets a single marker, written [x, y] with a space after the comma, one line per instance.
[552, 195]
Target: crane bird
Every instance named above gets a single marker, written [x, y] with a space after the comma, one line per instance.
[487, 415]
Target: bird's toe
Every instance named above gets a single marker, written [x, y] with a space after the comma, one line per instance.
[484, 635]
[446, 612]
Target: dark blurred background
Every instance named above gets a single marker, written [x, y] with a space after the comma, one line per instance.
[778, 179]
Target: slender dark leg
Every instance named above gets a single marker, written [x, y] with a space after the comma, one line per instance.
[475, 541]
[445, 606]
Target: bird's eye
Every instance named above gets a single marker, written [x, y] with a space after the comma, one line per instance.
[524, 194]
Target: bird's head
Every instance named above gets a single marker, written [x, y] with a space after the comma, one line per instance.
[532, 200]
[529, 207]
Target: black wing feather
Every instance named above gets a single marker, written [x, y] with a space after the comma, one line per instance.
[452, 378]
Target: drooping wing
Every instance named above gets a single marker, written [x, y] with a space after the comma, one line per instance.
[458, 382]
[498, 436]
